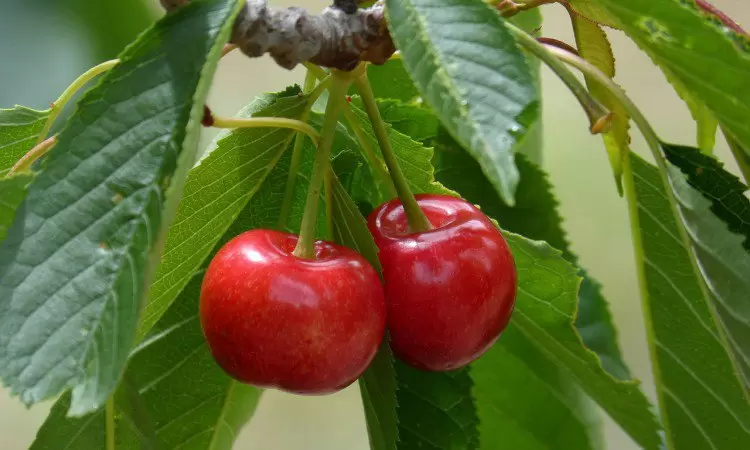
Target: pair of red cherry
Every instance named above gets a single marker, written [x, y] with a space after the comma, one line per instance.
[314, 325]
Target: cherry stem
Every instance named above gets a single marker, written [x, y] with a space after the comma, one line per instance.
[109, 413]
[266, 122]
[299, 143]
[336, 99]
[81, 81]
[600, 119]
[372, 158]
[32, 155]
[416, 218]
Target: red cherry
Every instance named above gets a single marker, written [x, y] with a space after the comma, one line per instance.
[306, 326]
[449, 291]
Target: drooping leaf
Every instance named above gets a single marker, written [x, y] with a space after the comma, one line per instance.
[709, 58]
[705, 121]
[12, 192]
[470, 71]
[19, 130]
[721, 257]
[594, 47]
[701, 398]
[76, 263]
[217, 189]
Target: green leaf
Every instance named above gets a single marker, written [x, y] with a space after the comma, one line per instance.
[594, 47]
[701, 399]
[76, 263]
[545, 312]
[175, 392]
[192, 402]
[709, 58]
[391, 80]
[217, 189]
[12, 192]
[133, 428]
[725, 191]
[592, 11]
[721, 257]
[468, 68]
[706, 123]
[19, 130]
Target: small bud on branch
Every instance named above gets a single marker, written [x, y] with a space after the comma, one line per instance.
[293, 36]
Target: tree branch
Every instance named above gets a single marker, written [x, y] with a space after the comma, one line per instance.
[292, 35]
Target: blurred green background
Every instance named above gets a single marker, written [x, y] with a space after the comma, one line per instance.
[46, 44]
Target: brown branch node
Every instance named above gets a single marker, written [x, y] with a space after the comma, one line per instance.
[292, 36]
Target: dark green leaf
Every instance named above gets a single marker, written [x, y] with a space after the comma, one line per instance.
[469, 69]
[702, 401]
[217, 189]
[19, 131]
[722, 260]
[12, 192]
[392, 81]
[76, 263]
[709, 58]
[725, 191]
[174, 392]
[192, 402]
[132, 426]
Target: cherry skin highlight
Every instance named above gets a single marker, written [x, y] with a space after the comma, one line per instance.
[449, 291]
[307, 326]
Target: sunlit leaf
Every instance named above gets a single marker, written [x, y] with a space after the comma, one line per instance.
[470, 71]
[19, 130]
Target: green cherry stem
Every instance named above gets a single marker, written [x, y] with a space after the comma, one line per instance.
[372, 158]
[599, 116]
[418, 222]
[299, 143]
[59, 104]
[336, 99]
[109, 413]
[24, 164]
[266, 122]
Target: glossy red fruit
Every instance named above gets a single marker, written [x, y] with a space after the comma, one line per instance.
[449, 291]
[306, 326]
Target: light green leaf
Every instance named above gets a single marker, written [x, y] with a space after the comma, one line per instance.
[19, 130]
[592, 11]
[594, 47]
[217, 189]
[706, 123]
[718, 237]
[76, 264]
[709, 58]
[468, 68]
[701, 399]
[192, 402]
[12, 192]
